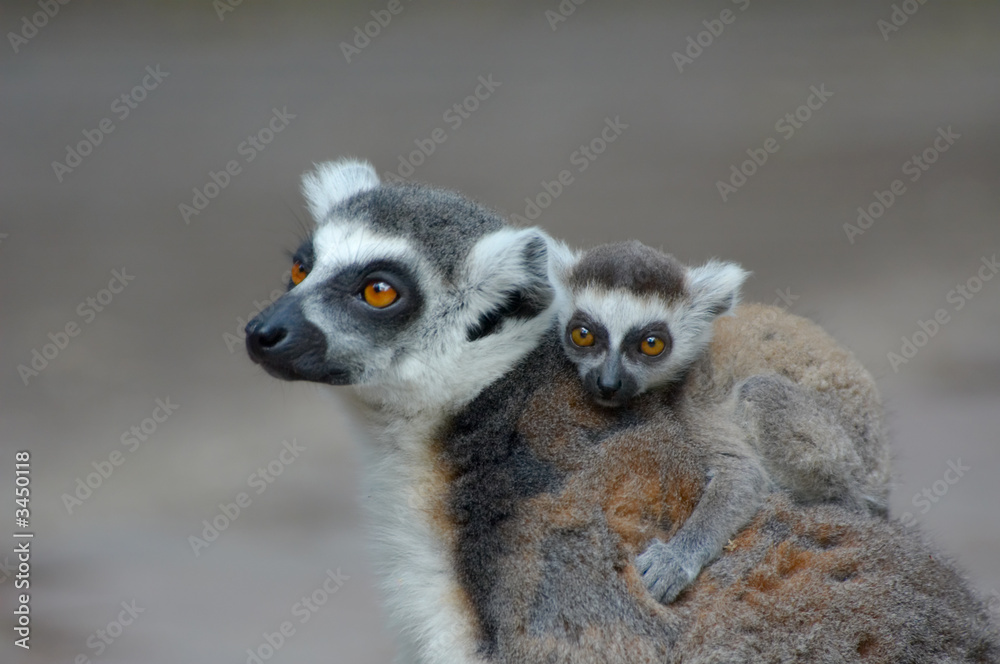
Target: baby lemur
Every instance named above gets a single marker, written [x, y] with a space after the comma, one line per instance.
[808, 413]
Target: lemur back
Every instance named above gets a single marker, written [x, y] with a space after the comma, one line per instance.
[551, 500]
[791, 381]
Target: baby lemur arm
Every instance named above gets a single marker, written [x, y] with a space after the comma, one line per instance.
[736, 485]
[785, 437]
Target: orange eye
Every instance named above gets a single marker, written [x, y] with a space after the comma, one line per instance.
[298, 273]
[379, 294]
[582, 337]
[652, 346]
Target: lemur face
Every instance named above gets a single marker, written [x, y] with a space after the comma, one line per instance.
[621, 345]
[414, 294]
[637, 318]
[353, 303]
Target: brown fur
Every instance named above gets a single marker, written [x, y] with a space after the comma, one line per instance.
[816, 584]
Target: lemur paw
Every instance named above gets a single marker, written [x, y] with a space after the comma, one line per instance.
[664, 571]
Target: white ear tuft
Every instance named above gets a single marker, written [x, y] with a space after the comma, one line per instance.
[507, 258]
[508, 274]
[333, 182]
[715, 288]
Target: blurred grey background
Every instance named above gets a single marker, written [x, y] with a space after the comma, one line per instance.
[174, 331]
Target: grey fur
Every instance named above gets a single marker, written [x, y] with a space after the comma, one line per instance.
[631, 266]
[443, 223]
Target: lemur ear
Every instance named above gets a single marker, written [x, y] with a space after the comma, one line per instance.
[333, 182]
[715, 288]
[507, 276]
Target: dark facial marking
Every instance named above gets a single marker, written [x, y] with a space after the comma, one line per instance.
[305, 256]
[343, 293]
[630, 266]
[600, 345]
[633, 340]
[289, 347]
[610, 384]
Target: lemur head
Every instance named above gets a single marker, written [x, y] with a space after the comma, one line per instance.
[638, 318]
[417, 296]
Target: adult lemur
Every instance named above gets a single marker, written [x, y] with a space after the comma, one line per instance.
[508, 509]
[809, 412]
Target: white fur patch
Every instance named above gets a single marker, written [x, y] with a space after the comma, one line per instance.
[715, 284]
[341, 244]
[333, 182]
[496, 265]
[414, 563]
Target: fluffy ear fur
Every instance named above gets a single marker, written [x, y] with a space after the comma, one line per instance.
[333, 182]
[507, 277]
[715, 288]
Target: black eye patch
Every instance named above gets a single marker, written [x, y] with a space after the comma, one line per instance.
[342, 292]
[305, 256]
[635, 337]
[600, 333]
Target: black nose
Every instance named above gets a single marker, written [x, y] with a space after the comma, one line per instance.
[282, 341]
[609, 388]
[264, 336]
